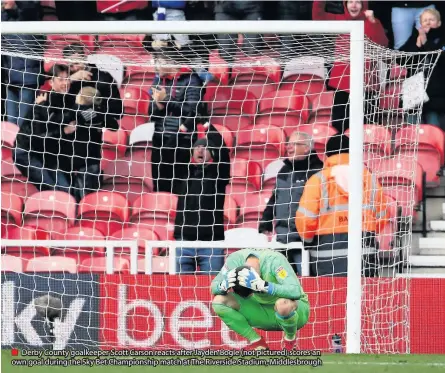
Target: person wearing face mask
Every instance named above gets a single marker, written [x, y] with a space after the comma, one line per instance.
[431, 37]
[200, 209]
[354, 10]
[300, 165]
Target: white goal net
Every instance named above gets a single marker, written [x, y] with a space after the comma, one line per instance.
[112, 143]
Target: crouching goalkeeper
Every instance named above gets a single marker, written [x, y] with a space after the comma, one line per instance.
[259, 289]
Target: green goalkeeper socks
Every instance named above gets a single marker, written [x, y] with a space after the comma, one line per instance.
[235, 321]
[288, 324]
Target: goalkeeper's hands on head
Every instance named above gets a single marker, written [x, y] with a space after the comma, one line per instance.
[250, 279]
[228, 281]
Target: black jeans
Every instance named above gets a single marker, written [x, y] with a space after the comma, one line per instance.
[78, 183]
[170, 158]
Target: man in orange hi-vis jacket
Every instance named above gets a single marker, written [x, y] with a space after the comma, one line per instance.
[322, 216]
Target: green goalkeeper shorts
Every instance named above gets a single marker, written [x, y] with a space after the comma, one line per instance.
[262, 316]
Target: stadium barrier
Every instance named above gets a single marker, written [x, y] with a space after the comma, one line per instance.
[136, 312]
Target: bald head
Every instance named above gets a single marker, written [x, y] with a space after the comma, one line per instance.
[299, 145]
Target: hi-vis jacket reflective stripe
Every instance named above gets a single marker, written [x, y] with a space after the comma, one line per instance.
[323, 209]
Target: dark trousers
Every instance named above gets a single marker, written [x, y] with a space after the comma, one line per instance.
[338, 266]
[78, 183]
[340, 110]
[169, 162]
[227, 42]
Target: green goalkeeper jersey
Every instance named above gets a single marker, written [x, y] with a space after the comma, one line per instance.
[274, 268]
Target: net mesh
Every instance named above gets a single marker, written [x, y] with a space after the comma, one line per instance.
[251, 91]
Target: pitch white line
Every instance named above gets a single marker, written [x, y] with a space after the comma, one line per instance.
[379, 363]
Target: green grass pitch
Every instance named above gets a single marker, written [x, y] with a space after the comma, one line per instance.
[331, 363]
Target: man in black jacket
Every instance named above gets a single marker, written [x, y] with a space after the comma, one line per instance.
[176, 103]
[83, 75]
[282, 207]
[200, 210]
[37, 143]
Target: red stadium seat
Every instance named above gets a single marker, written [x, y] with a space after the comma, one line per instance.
[62, 40]
[98, 264]
[321, 104]
[285, 103]
[135, 233]
[320, 135]
[232, 101]
[156, 211]
[104, 211]
[287, 123]
[76, 252]
[270, 175]
[26, 233]
[12, 263]
[386, 238]
[52, 264]
[8, 135]
[159, 264]
[256, 69]
[12, 208]
[135, 100]
[114, 145]
[233, 123]
[13, 182]
[246, 178]
[259, 90]
[391, 97]
[130, 122]
[308, 84]
[144, 71]
[428, 142]
[230, 211]
[218, 67]
[376, 141]
[401, 178]
[121, 40]
[260, 143]
[51, 211]
[252, 209]
[128, 177]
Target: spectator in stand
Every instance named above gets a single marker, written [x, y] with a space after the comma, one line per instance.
[200, 210]
[328, 10]
[81, 144]
[300, 165]
[340, 73]
[322, 216]
[88, 75]
[37, 143]
[404, 16]
[238, 11]
[431, 37]
[169, 11]
[23, 74]
[121, 10]
[176, 104]
[290, 11]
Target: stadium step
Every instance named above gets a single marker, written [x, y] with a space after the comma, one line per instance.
[422, 273]
[437, 225]
[427, 260]
[432, 245]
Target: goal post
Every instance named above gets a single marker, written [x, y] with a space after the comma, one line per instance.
[359, 291]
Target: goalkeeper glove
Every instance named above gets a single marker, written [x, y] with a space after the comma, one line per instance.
[228, 281]
[252, 280]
